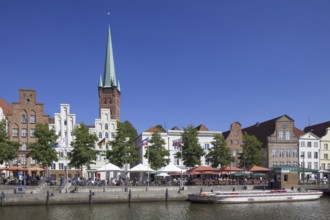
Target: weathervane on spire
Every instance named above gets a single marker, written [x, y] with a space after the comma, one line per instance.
[108, 17]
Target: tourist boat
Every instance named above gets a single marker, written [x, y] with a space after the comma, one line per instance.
[254, 196]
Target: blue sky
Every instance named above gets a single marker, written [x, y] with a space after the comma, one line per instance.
[179, 62]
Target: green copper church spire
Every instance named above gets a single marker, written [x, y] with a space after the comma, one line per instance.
[109, 78]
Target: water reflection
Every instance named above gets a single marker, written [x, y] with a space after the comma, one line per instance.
[172, 210]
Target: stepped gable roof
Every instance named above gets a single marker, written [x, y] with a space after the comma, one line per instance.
[226, 133]
[201, 127]
[154, 129]
[7, 108]
[318, 129]
[262, 130]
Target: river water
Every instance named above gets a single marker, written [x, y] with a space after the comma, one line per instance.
[319, 210]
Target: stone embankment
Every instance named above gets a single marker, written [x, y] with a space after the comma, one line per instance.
[46, 195]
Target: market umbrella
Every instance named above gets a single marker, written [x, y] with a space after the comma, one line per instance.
[141, 168]
[170, 168]
[162, 174]
[109, 167]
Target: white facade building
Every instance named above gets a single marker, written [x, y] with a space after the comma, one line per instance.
[64, 123]
[172, 140]
[105, 129]
[309, 150]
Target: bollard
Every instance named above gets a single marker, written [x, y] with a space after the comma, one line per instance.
[166, 195]
[2, 198]
[90, 197]
[47, 198]
[129, 196]
[233, 189]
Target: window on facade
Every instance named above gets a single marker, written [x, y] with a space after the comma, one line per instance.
[23, 160]
[15, 132]
[302, 143]
[32, 119]
[61, 154]
[236, 133]
[328, 166]
[236, 142]
[309, 165]
[15, 161]
[106, 126]
[24, 147]
[302, 164]
[288, 163]
[288, 153]
[316, 165]
[100, 134]
[230, 142]
[234, 153]
[316, 144]
[106, 135]
[294, 153]
[326, 156]
[32, 161]
[207, 146]
[281, 152]
[280, 135]
[316, 155]
[274, 152]
[282, 163]
[61, 166]
[113, 135]
[309, 155]
[32, 133]
[325, 146]
[274, 163]
[65, 122]
[323, 166]
[287, 135]
[176, 161]
[295, 163]
[309, 144]
[54, 166]
[23, 119]
[24, 132]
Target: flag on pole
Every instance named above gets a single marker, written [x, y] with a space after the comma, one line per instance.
[177, 142]
[144, 142]
[102, 142]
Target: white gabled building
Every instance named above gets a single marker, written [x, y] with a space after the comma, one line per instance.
[105, 129]
[309, 148]
[64, 123]
[172, 140]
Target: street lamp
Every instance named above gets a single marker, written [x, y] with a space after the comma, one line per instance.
[181, 179]
[303, 165]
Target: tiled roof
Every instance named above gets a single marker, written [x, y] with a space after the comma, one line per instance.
[175, 128]
[153, 129]
[318, 129]
[7, 109]
[263, 130]
[201, 127]
[298, 132]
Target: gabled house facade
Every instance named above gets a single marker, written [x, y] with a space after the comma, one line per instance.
[280, 140]
[234, 139]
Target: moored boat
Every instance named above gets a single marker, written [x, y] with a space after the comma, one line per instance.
[254, 196]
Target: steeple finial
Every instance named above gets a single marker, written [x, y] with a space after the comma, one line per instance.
[109, 78]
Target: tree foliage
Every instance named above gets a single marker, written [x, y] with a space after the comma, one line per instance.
[160, 127]
[220, 154]
[191, 151]
[252, 153]
[158, 155]
[8, 149]
[83, 152]
[42, 150]
[123, 149]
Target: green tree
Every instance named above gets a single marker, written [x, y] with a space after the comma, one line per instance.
[191, 151]
[42, 150]
[157, 152]
[160, 127]
[252, 153]
[8, 149]
[220, 154]
[83, 152]
[123, 149]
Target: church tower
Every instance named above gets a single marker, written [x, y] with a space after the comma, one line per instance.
[109, 87]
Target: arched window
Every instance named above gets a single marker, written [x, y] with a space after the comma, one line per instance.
[106, 126]
[100, 134]
[23, 119]
[106, 135]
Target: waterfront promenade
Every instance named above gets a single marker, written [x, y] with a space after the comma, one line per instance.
[51, 195]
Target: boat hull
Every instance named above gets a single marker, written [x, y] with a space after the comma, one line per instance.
[253, 197]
